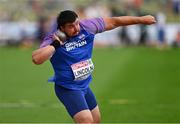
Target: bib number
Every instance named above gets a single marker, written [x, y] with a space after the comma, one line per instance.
[82, 70]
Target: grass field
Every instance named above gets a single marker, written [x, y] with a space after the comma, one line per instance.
[134, 84]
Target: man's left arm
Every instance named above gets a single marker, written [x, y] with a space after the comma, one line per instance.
[114, 22]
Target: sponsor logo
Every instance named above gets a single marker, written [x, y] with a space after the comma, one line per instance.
[76, 44]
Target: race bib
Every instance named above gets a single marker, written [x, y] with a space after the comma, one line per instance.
[82, 70]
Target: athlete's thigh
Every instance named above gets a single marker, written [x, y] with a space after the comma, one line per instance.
[92, 104]
[84, 116]
[73, 100]
[96, 114]
[90, 99]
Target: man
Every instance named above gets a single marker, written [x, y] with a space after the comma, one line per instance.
[71, 59]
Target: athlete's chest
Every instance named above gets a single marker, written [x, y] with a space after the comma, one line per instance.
[82, 41]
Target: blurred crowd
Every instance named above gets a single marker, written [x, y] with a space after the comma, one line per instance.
[25, 23]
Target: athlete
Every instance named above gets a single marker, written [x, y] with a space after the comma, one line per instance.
[70, 57]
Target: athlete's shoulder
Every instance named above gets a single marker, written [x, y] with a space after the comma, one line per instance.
[49, 36]
[93, 25]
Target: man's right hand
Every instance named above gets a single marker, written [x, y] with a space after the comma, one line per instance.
[55, 37]
[60, 36]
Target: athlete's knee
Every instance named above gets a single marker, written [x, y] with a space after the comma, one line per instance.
[83, 117]
[87, 119]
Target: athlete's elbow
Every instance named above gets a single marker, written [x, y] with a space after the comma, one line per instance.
[36, 60]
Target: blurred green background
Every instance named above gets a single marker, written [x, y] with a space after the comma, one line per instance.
[133, 83]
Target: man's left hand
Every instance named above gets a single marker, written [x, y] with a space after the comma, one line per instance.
[147, 20]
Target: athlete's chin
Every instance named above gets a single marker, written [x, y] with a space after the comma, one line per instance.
[74, 34]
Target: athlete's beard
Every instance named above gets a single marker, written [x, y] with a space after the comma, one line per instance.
[74, 34]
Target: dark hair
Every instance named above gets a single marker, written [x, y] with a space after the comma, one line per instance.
[66, 16]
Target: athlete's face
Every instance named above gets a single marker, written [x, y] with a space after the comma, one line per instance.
[71, 29]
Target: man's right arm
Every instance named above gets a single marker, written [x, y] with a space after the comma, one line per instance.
[45, 52]
[42, 54]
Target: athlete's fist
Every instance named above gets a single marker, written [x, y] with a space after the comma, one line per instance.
[147, 20]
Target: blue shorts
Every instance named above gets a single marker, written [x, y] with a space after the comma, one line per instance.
[76, 100]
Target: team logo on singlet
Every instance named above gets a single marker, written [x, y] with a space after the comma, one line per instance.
[82, 70]
[82, 36]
